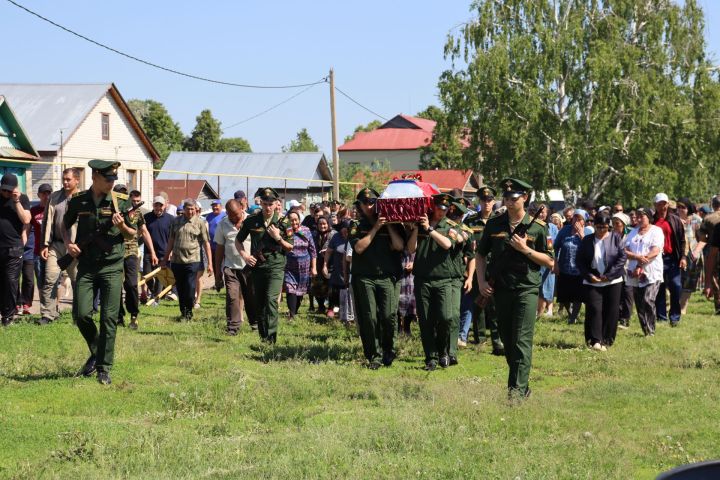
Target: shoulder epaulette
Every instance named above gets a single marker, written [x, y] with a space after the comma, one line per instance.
[541, 223]
[466, 228]
[451, 223]
[78, 193]
[121, 196]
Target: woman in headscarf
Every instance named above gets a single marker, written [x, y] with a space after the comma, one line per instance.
[601, 260]
[569, 279]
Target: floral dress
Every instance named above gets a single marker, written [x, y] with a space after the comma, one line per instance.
[297, 268]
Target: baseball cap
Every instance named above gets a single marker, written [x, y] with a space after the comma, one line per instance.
[293, 203]
[45, 187]
[159, 199]
[9, 182]
[216, 202]
[661, 197]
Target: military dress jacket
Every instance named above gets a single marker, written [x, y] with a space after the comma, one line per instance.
[267, 252]
[432, 262]
[89, 217]
[379, 260]
[509, 268]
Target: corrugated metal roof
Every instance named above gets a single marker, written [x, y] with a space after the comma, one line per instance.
[291, 165]
[14, 153]
[44, 109]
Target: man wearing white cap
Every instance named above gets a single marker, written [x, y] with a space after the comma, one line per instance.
[158, 223]
[674, 259]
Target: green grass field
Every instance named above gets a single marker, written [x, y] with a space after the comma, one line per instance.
[189, 402]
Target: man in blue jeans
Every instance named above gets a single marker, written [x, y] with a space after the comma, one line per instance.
[674, 260]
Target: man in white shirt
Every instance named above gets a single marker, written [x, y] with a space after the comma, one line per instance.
[229, 267]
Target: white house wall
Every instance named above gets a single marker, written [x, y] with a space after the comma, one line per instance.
[86, 144]
[398, 159]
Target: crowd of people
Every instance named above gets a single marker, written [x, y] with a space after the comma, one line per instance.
[492, 267]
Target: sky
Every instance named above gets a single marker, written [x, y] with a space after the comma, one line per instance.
[387, 55]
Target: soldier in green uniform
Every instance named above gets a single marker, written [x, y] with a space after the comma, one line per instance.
[99, 266]
[376, 270]
[435, 279]
[484, 318]
[270, 240]
[514, 273]
[463, 257]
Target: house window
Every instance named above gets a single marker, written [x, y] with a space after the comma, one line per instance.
[105, 118]
[132, 179]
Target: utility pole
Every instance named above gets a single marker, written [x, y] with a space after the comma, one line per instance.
[335, 160]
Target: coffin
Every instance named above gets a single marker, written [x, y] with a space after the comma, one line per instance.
[406, 200]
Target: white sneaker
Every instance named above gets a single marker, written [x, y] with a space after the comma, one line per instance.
[197, 305]
[599, 347]
[171, 296]
[461, 344]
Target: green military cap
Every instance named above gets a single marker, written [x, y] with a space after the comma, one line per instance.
[512, 187]
[443, 200]
[457, 208]
[486, 193]
[267, 193]
[106, 168]
[367, 195]
[463, 201]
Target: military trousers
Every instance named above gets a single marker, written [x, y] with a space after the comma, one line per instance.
[516, 313]
[435, 303]
[267, 283]
[49, 288]
[455, 323]
[376, 304]
[108, 281]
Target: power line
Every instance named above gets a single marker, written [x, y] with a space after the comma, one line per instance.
[269, 109]
[154, 65]
[358, 103]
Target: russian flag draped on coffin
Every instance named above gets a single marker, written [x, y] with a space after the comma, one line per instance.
[406, 200]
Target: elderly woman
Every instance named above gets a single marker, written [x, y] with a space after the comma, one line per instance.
[301, 264]
[601, 260]
[187, 235]
[568, 276]
[547, 289]
[621, 226]
[319, 284]
[333, 267]
[643, 247]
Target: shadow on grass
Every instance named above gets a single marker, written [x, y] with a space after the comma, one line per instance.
[32, 377]
[558, 344]
[304, 353]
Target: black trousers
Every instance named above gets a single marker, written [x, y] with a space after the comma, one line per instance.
[10, 265]
[153, 285]
[130, 284]
[601, 313]
[627, 301]
[27, 284]
[185, 278]
[293, 303]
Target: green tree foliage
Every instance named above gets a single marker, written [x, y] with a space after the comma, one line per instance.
[205, 137]
[363, 128]
[608, 99]
[164, 133]
[302, 143]
[234, 144]
[375, 176]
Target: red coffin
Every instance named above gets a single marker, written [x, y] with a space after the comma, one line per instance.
[403, 209]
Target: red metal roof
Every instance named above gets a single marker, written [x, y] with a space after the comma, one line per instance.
[389, 137]
[443, 179]
[179, 190]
